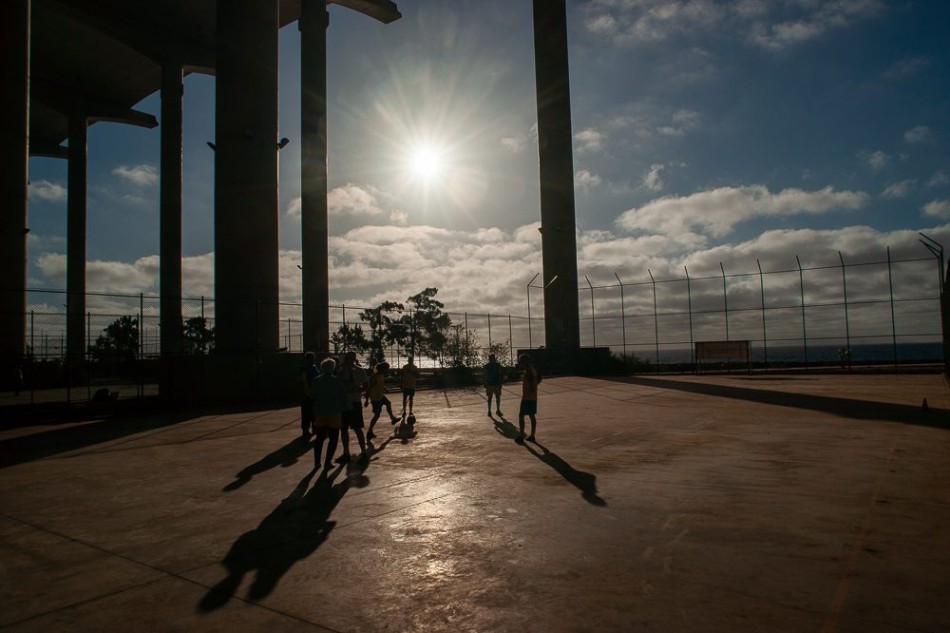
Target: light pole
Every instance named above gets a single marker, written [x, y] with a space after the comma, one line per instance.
[528, 290]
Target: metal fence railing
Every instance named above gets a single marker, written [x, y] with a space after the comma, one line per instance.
[883, 312]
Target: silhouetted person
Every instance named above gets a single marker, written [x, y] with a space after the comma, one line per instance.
[529, 396]
[330, 400]
[408, 379]
[356, 381]
[493, 383]
[377, 396]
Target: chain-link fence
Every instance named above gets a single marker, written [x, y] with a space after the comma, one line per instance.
[884, 311]
[881, 312]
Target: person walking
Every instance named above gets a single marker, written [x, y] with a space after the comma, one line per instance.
[493, 383]
[377, 396]
[529, 397]
[330, 400]
[356, 382]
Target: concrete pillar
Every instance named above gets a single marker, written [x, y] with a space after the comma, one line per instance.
[558, 242]
[14, 123]
[245, 226]
[170, 211]
[313, 23]
[76, 239]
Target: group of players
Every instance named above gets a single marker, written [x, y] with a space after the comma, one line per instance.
[332, 395]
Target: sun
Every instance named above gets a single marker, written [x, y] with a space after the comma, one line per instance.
[426, 162]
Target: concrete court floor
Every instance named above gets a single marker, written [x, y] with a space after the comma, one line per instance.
[696, 503]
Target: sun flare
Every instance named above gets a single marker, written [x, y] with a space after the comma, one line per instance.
[426, 162]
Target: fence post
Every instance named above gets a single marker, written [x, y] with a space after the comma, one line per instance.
[801, 285]
[511, 342]
[890, 285]
[593, 316]
[656, 322]
[689, 309]
[489, 332]
[623, 319]
[725, 299]
[765, 340]
[32, 356]
[141, 342]
[847, 323]
[86, 355]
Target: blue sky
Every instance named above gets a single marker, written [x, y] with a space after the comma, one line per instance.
[704, 133]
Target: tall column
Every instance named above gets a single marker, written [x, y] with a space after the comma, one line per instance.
[170, 212]
[245, 226]
[14, 129]
[76, 239]
[313, 23]
[558, 242]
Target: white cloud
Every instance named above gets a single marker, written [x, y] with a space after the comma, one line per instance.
[683, 121]
[774, 26]
[47, 191]
[938, 209]
[514, 144]
[293, 208]
[485, 271]
[140, 175]
[353, 200]
[652, 180]
[898, 189]
[105, 276]
[919, 134]
[588, 140]
[586, 180]
[517, 143]
[813, 20]
[939, 179]
[347, 200]
[876, 160]
[907, 67]
[716, 212]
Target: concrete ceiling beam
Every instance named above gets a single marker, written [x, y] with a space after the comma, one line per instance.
[160, 43]
[382, 10]
[68, 101]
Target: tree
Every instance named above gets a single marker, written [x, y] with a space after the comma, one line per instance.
[388, 327]
[120, 341]
[463, 347]
[502, 352]
[428, 325]
[198, 337]
[349, 337]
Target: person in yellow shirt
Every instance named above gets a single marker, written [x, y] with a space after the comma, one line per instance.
[377, 396]
[529, 397]
[409, 377]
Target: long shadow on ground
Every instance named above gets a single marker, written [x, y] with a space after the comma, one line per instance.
[286, 455]
[290, 533]
[843, 407]
[583, 481]
[29, 447]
